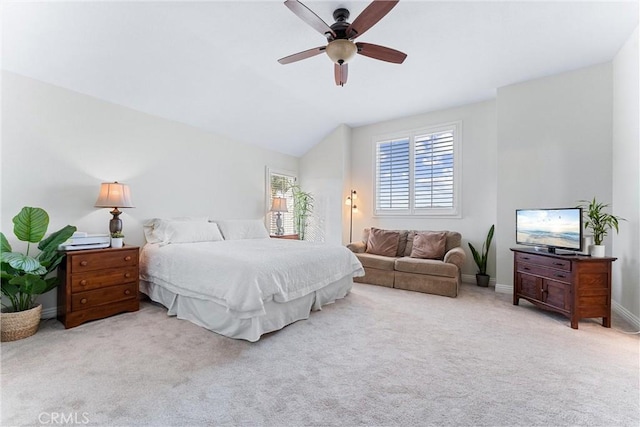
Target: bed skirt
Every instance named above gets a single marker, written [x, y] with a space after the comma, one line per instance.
[215, 317]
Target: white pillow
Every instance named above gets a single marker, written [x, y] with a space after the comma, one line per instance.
[236, 229]
[191, 232]
[155, 229]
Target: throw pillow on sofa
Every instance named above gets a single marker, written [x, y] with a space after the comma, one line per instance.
[429, 245]
[383, 242]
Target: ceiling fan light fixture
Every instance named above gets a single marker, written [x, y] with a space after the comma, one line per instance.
[341, 51]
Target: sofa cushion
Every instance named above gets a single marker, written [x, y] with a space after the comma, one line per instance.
[402, 242]
[429, 245]
[454, 239]
[376, 261]
[382, 242]
[426, 266]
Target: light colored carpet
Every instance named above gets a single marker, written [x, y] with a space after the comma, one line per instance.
[379, 357]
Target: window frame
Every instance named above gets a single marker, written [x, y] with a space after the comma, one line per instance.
[412, 211]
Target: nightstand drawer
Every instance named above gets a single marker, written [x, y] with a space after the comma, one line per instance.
[94, 280]
[82, 300]
[111, 259]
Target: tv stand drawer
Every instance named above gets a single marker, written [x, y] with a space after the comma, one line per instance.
[545, 261]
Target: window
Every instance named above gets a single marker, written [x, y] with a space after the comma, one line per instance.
[417, 173]
[279, 184]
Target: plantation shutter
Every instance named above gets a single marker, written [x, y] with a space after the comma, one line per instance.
[392, 175]
[433, 171]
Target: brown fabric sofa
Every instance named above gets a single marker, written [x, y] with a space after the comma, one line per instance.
[432, 276]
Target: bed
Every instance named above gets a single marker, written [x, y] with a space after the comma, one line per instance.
[242, 285]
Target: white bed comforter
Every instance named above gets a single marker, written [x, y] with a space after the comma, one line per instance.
[242, 275]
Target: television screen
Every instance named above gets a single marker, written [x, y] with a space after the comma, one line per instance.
[550, 228]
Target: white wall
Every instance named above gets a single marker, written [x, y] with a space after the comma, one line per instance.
[626, 180]
[58, 146]
[324, 172]
[554, 148]
[478, 176]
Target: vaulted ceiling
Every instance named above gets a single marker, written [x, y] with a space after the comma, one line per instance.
[213, 65]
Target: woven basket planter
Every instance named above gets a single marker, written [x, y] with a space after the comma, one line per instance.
[21, 324]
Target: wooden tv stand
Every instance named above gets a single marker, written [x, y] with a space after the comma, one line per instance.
[576, 286]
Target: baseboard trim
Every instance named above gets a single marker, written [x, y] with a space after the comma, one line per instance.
[471, 279]
[504, 289]
[631, 318]
[626, 315]
[49, 313]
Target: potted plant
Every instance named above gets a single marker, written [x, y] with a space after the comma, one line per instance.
[117, 239]
[482, 278]
[302, 207]
[24, 276]
[599, 223]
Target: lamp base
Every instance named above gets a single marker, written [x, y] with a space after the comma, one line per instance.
[279, 227]
[115, 225]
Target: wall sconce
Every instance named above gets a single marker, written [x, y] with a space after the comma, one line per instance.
[114, 195]
[350, 201]
[279, 205]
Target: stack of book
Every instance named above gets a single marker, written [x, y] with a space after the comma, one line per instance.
[81, 240]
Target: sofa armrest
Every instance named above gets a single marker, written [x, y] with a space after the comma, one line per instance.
[456, 256]
[357, 247]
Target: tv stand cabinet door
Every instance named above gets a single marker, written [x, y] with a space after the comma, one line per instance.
[557, 295]
[528, 286]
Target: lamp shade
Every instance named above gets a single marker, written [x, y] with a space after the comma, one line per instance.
[341, 51]
[279, 204]
[114, 195]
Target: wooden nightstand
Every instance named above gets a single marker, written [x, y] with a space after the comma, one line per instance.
[285, 236]
[97, 283]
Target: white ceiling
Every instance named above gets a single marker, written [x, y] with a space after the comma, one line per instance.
[213, 65]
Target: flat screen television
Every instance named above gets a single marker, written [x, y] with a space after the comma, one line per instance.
[550, 229]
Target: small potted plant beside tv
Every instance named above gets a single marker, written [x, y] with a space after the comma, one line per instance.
[25, 277]
[482, 278]
[599, 222]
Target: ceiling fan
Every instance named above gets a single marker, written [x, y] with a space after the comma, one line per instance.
[341, 47]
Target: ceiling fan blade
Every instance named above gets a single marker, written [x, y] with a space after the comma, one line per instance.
[341, 72]
[370, 17]
[307, 15]
[302, 55]
[380, 52]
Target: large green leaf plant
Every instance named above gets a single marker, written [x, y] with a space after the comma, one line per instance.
[25, 276]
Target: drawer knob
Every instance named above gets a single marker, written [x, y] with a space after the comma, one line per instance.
[83, 282]
[84, 263]
[127, 258]
[127, 291]
[526, 268]
[83, 301]
[560, 275]
[127, 275]
[558, 263]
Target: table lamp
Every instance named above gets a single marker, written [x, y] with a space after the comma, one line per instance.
[114, 195]
[279, 205]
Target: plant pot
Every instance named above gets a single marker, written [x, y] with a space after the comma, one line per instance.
[596, 251]
[117, 242]
[21, 324]
[482, 280]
